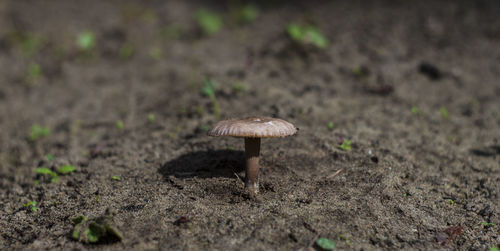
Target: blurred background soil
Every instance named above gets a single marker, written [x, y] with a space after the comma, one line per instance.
[414, 85]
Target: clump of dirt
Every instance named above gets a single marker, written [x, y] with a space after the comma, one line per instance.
[412, 86]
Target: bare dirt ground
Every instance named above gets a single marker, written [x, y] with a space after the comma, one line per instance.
[424, 178]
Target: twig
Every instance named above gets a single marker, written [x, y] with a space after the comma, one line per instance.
[237, 176]
[334, 174]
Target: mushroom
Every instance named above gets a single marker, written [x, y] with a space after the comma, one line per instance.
[252, 129]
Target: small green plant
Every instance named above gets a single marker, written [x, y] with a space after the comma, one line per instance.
[66, 169]
[126, 51]
[452, 202]
[415, 110]
[156, 53]
[307, 34]
[151, 118]
[49, 157]
[119, 125]
[330, 126]
[444, 112]
[494, 248]
[92, 231]
[347, 241]
[325, 244]
[116, 178]
[346, 145]
[86, 41]
[209, 22]
[488, 224]
[239, 87]
[208, 90]
[34, 73]
[31, 204]
[38, 132]
[246, 14]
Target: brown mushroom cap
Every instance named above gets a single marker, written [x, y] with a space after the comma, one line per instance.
[253, 127]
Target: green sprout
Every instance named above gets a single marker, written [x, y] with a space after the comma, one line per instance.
[156, 53]
[325, 244]
[31, 204]
[126, 51]
[66, 169]
[86, 40]
[444, 112]
[346, 145]
[91, 231]
[239, 87]
[119, 124]
[49, 157]
[209, 22]
[347, 241]
[116, 178]
[451, 201]
[38, 132]
[208, 90]
[246, 14]
[494, 248]
[488, 224]
[307, 35]
[415, 110]
[34, 73]
[151, 118]
[330, 125]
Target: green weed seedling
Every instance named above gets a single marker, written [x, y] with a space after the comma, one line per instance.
[444, 112]
[49, 157]
[239, 87]
[208, 90]
[126, 51]
[31, 204]
[116, 178]
[307, 34]
[330, 126]
[86, 41]
[37, 132]
[245, 14]
[93, 231]
[347, 241]
[346, 145]
[325, 244]
[415, 110]
[119, 125]
[34, 73]
[151, 118]
[494, 249]
[209, 22]
[63, 170]
[488, 224]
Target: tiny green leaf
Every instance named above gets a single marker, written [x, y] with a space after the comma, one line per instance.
[86, 40]
[325, 243]
[66, 169]
[44, 170]
[116, 178]
[248, 13]
[209, 22]
[49, 157]
[444, 112]
[38, 132]
[488, 224]
[346, 145]
[415, 110]
[151, 118]
[79, 219]
[330, 125]
[494, 248]
[54, 179]
[119, 125]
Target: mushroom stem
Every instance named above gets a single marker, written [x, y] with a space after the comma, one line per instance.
[252, 150]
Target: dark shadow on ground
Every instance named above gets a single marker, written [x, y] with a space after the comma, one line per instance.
[205, 164]
[490, 151]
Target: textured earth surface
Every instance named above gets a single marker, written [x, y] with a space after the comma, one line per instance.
[413, 84]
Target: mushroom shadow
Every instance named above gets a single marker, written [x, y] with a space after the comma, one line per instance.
[205, 164]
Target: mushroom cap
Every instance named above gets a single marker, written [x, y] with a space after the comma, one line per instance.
[253, 127]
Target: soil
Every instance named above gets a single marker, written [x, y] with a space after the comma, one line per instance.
[413, 84]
